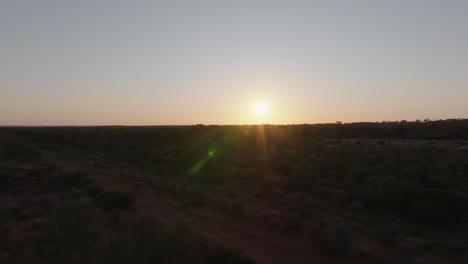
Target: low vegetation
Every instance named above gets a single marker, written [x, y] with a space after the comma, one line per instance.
[78, 232]
[402, 185]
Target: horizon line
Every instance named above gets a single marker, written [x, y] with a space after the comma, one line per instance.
[253, 124]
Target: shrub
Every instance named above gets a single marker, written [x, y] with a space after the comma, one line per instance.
[144, 240]
[456, 245]
[348, 183]
[210, 177]
[385, 260]
[236, 209]
[337, 243]
[195, 197]
[93, 190]
[389, 233]
[438, 207]
[22, 216]
[115, 200]
[356, 206]
[381, 142]
[222, 254]
[298, 203]
[132, 241]
[365, 251]
[85, 181]
[4, 234]
[5, 181]
[429, 212]
[13, 149]
[302, 178]
[293, 223]
[61, 180]
[270, 219]
[70, 234]
[393, 194]
[74, 193]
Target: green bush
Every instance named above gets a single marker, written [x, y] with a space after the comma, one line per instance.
[454, 245]
[75, 233]
[356, 206]
[210, 177]
[222, 254]
[236, 209]
[13, 149]
[438, 207]
[337, 243]
[293, 223]
[385, 260]
[74, 193]
[389, 233]
[195, 197]
[93, 190]
[5, 181]
[64, 180]
[111, 200]
[70, 234]
[4, 234]
[144, 240]
[302, 178]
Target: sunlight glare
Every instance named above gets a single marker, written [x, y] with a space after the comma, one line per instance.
[260, 108]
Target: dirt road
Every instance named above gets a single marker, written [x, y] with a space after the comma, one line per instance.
[261, 245]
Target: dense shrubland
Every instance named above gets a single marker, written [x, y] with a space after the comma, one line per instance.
[82, 222]
[423, 181]
[78, 232]
[366, 169]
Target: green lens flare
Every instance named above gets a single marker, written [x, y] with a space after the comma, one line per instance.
[201, 163]
[198, 166]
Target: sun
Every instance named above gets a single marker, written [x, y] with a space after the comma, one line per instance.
[260, 108]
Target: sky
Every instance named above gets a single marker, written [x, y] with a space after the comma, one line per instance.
[187, 62]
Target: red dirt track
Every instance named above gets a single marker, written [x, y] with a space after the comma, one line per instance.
[261, 245]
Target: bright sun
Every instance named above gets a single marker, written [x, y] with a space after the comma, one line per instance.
[260, 108]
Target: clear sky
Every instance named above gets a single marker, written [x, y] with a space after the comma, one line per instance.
[187, 62]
